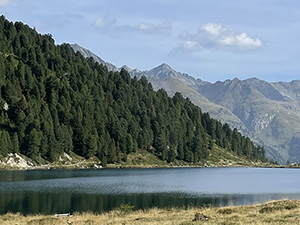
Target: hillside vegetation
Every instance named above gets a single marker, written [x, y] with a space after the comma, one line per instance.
[267, 112]
[54, 101]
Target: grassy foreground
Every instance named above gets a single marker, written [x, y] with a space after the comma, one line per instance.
[274, 212]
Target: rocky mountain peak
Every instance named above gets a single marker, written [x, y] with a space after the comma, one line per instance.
[87, 54]
[126, 68]
[163, 71]
[165, 66]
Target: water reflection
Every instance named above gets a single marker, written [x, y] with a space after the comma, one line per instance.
[61, 191]
[51, 203]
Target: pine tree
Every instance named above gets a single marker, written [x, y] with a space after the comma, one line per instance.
[34, 143]
[15, 143]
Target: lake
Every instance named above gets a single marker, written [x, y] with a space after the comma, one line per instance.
[62, 191]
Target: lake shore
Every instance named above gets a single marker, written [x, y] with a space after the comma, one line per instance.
[274, 212]
[139, 159]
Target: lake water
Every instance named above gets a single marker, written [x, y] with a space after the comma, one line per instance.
[61, 191]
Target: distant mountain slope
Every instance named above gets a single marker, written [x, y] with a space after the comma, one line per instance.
[267, 112]
[172, 81]
[86, 53]
[270, 111]
[173, 85]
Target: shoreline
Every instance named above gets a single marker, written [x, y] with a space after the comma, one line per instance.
[139, 159]
[116, 166]
[147, 166]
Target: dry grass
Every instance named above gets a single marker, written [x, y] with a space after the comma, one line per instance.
[275, 213]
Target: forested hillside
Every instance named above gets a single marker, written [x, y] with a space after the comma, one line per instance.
[53, 100]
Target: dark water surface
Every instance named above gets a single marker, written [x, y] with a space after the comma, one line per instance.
[61, 191]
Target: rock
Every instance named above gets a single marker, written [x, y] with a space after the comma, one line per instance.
[16, 160]
[201, 217]
[68, 156]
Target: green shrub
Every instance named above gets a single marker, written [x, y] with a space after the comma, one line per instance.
[125, 208]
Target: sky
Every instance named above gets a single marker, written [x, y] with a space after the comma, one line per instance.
[207, 39]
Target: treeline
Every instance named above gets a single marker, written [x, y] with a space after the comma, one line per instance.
[53, 100]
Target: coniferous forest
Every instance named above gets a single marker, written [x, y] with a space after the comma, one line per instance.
[53, 100]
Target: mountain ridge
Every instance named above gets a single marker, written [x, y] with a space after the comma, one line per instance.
[265, 111]
[55, 102]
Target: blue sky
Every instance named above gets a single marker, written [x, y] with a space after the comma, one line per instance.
[208, 39]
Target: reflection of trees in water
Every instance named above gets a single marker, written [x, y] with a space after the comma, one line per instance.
[50, 203]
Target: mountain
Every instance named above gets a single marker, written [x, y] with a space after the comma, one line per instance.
[173, 85]
[86, 53]
[55, 102]
[172, 81]
[267, 112]
[270, 111]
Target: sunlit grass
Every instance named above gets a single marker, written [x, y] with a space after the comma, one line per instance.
[274, 212]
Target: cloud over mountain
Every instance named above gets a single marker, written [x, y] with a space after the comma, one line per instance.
[216, 37]
[164, 28]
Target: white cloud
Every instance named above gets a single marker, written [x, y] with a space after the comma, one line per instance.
[242, 41]
[104, 22]
[164, 28]
[191, 45]
[213, 29]
[6, 2]
[186, 47]
[216, 37]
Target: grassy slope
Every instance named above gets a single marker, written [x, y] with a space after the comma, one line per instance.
[218, 157]
[275, 213]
